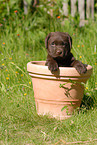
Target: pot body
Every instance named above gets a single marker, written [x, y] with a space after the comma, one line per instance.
[52, 100]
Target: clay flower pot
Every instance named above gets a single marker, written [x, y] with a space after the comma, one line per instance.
[57, 94]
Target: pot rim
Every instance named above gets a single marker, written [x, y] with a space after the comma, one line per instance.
[38, 67]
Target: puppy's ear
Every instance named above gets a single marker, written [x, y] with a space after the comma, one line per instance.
[46, 40]
[70, 40]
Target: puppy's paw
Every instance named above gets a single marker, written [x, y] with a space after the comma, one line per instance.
[52, 66]
[81, 68]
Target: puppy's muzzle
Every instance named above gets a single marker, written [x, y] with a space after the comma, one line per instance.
[59, 52]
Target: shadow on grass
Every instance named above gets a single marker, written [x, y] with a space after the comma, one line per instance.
[87, 102]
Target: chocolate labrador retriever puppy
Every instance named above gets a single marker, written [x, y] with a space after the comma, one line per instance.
[58, 46]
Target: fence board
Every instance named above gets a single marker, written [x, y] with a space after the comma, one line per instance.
[81, 8]
[73, 7]
[90, 9]
[25, 7]
[65, 7]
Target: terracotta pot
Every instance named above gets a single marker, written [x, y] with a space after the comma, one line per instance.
[49, 97]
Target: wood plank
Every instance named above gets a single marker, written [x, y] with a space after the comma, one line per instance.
[92, 9]
[65, 7]
[88, 4]
[25, 7]
[81, 8]
[73, 7]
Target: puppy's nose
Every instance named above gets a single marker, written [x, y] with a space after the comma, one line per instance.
[59, 52]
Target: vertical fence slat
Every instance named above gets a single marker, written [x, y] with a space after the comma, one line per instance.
[73, 7]
[92, 8]
[25, 7]
[81, 8]
[65, 7]
[88, 8]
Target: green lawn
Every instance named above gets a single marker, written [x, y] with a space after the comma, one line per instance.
[22, 39]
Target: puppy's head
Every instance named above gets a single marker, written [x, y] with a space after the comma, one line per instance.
[58, 44]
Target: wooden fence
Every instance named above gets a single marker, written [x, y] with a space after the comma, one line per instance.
[89, 11]
[85, 8]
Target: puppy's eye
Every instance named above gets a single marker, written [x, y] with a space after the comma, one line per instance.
[53, 44]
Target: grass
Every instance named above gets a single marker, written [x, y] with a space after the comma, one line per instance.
[22, 40]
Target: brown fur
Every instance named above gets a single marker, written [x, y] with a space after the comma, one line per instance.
[58, 46]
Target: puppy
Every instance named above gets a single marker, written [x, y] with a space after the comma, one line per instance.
[58, 46]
